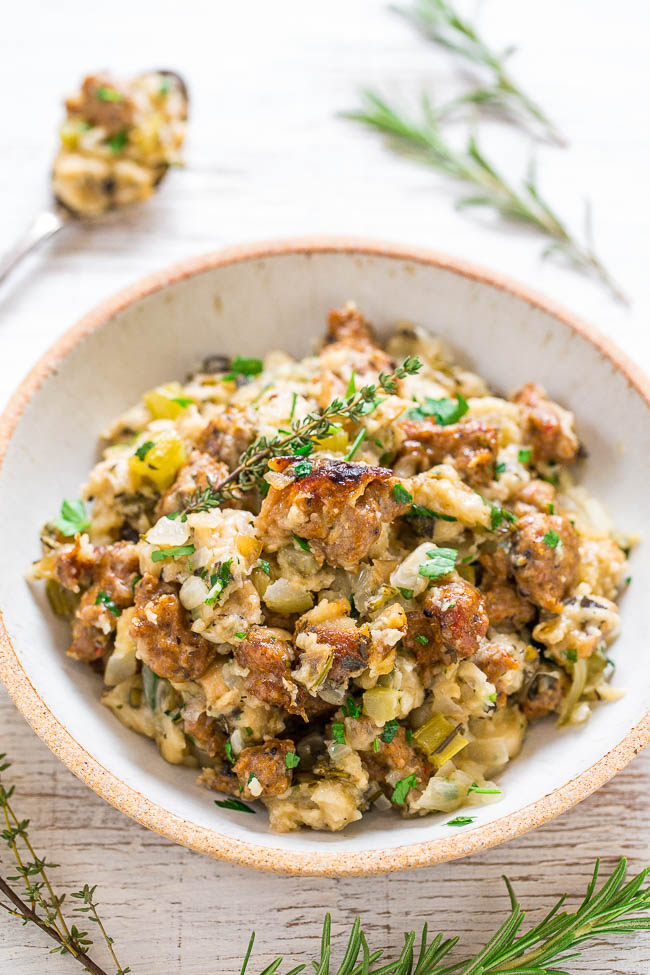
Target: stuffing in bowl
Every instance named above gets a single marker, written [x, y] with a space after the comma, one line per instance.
[342, 582]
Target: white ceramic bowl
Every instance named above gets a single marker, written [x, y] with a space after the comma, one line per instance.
[247, 301]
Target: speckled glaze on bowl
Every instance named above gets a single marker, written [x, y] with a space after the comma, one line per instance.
[276, 295]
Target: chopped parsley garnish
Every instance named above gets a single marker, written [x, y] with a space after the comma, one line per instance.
[338, 732]
[401, 495]
[445, 410]
[106, 94]
[73, 518]
[440, 562]
[228, 750]
[302, 450]
[492, 697]
[291, 760]
[628, 580]
[354, 612]
[172, 553]
[149, 685]
[240, 366]
[500, 469]
[351, 709]
[483, 792]
[571, 655]
[390, 730]
[403, 788]
[420, 638]
[294, 397]
[142, 452]
[406, 593]
[235, 804]
[552, 539]
[134, 581]
[304, 545]
[218, 582]
[240, 636]
[356, 443]
[183, 401]
[265, 566]
[303, 468]
[375, 745]
[524, 456]
[103, 597]
[418, 511]
[498, 515]
[461, 821]
[409, 736]
[117, 142]
[351, 390]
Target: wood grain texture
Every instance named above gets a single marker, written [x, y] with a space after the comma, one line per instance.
[268, 156]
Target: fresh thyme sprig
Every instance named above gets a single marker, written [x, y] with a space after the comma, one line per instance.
[38, 903]
[441, 22]
[303, 435]
[612, 909]
[423, 140]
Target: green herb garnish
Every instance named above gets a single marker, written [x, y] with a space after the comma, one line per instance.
[441, 562]
[142, 452]
[106, 94]
[303, 468]
[351, 389]
[235, 804]
[499, 515]
[390, 730]
[445, 411]
[571, 655]
[480, 791]
[265, 566]
[401, 495]
[240, 366]
[118, 141]
[304, 545]
[460, 821]
[73, 518]
[552, 539]
[294, 398]
[420, 638]
[172, 553]
[218, 582]
[338, 732]
[418, 511]
[228, 750]
[403, 788]
[524, 456]
[103, 597]
[291, 760]
[500, 469]
[356, 443]
[406, 593]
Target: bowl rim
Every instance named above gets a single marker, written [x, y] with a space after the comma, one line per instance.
[148, 813]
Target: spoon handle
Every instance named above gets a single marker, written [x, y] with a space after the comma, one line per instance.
[46, 224]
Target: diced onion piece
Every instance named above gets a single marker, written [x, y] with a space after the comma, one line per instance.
[382, 704]
[283, 596]
[163, 401]
[407, 576]
[161, 463]
[193, 592]
[168, 531]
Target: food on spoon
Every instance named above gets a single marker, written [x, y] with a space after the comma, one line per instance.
[118, 140]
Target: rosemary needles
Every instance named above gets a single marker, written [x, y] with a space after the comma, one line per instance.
[443, 24]
[422, 138]
[616, 907]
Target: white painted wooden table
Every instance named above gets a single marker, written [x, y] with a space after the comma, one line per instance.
[268, 156]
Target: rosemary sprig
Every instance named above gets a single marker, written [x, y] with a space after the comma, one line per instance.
[423, 140]
[612, 909]
[302, 436]
[39, 904]
[441, 22]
